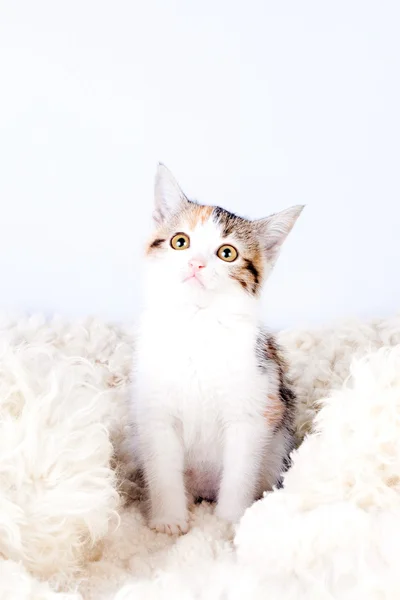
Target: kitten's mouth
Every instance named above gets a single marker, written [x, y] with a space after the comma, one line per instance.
[193, 278]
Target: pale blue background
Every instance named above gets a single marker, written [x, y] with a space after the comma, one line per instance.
[254, 105]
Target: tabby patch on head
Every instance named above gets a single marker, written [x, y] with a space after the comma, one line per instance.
[208, 248]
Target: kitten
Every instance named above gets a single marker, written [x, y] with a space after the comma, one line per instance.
[212, 411]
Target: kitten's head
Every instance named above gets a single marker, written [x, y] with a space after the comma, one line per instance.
[198, 251]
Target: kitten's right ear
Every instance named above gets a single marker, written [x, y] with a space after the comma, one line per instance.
[168, 196]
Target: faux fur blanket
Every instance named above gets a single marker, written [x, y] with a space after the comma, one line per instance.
[71, 522]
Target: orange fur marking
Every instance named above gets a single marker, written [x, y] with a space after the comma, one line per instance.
[274, 410]
[199, 215]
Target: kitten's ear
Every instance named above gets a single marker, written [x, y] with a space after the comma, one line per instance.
[275, 229]
[168, 196]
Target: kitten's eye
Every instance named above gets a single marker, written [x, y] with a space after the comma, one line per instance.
[227, 253]
[180, 241]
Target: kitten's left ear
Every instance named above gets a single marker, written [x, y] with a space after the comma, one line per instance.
[168, 196]
[275, 229]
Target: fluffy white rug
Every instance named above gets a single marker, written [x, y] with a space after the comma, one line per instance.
[67, 532]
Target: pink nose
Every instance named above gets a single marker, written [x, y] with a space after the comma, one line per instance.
[196, 265]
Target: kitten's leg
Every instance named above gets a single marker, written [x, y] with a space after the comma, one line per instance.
[279, 449]
[244, 448]
[163, 465]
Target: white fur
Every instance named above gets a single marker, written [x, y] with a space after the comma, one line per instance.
[17, 584]
[340, 514]
[57, 488]
[332, 533]
[203, 410]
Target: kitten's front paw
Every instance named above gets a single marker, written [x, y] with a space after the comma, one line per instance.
[170, 526]
[231, 514]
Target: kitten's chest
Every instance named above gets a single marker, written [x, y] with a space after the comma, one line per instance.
[201, 355]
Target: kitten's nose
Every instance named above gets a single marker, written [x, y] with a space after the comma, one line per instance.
[196, 265]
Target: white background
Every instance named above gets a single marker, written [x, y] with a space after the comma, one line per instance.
[253, 105]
